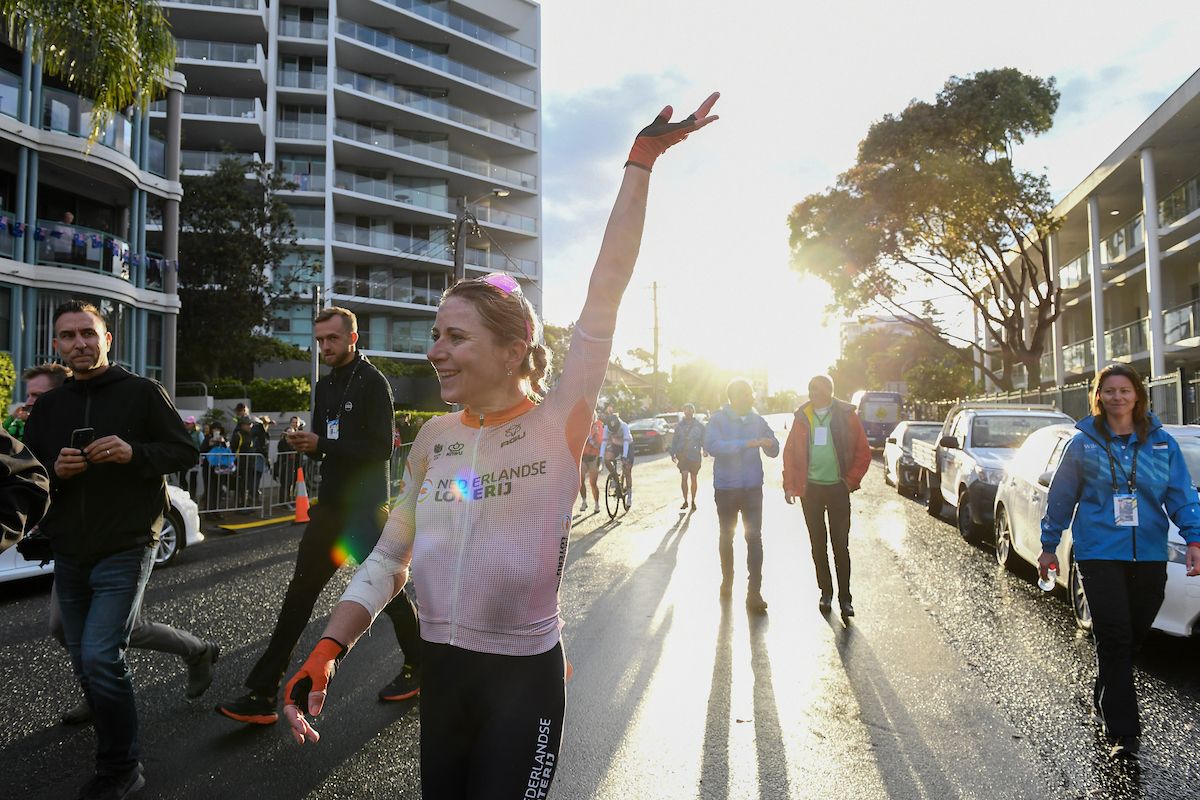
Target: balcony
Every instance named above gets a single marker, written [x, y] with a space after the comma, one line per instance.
[1181, 322]
[1123, 241]
[10, 93]
[224, 52]
[1047, 366]
[209, 160]
[293, 129]
[400, 96]
[1075, 273]
[1127, 341]
[77, 247]
[411, 148]
[304, 30]
[64, 112]
[8, 237]
[493, 261]
[509, 219]
[294, 79]
[387, 190]
[218, 19]
[1078, 358]
[1180, 203]
[247, 5]
[456, 23]
[397, 289]
[393, 242]
[306, 182]
[428, 58]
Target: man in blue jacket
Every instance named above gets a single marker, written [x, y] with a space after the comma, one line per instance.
[735, 435]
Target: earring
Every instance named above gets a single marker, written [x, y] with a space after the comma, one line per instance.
[509, 373]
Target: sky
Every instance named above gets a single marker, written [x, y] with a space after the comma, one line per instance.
[800, 85]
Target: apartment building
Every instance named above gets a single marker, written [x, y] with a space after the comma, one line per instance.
[73, 222]
[401, 123]
[1128, 255]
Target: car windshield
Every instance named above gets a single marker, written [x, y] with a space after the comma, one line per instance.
[1007, 431]
[642, 424]
[924, 433]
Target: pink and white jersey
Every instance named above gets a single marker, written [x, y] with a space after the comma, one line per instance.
[485, 516]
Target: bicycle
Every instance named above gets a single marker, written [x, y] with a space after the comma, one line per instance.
[614, 489]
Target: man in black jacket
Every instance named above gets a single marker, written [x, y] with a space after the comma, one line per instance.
[352, 428]
[24, 491]
[110, 436]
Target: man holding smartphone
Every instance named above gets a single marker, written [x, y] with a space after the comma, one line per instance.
[108, 501]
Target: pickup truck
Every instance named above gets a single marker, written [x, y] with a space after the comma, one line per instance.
[963, 466]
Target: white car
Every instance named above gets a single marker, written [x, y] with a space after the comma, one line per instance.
[1021, 502]
[181, 529]
[899, 469]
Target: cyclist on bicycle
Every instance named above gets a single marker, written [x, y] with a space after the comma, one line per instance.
[619, 440]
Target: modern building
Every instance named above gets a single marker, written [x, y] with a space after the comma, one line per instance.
[1128, 255]
[399, 121]
[73, 222]
[862, 324]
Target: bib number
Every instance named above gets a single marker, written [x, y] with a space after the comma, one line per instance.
[331, 429]
[1125, 511]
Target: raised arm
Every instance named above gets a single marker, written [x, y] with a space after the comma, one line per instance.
[623, 235]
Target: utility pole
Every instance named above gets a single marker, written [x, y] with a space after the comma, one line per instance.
[654, 408]
[315, 372]
[461, 218]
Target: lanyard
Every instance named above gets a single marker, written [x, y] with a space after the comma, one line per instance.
[1131, 478]
[345, 390]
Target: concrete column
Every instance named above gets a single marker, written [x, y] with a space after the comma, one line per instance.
[135, 143]
[1158, 355]
[30, 245]
[171, 240]
[1097, 270]
[174, 123]
[29, 325]
[24, 99]
[272, 109]
[1058, 330]
[16, 332]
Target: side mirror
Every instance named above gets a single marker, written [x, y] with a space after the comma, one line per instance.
[891, 440]
[1045, 478]
[950, 443]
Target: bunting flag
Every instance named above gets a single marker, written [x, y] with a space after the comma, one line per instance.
[97, 241]
[39, 233]
[79, 240]
[18, 229]
[136, 260]
[4, 223]
[56, 234]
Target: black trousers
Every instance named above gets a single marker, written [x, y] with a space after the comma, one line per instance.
[748, 503]
[491, 725]
[833, 501]
[1124, 597]
[331, 533]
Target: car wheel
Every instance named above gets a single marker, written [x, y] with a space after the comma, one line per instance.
[967, 528]
[1002, 537]
[1079, 602]
[934, 504]
[170, 539]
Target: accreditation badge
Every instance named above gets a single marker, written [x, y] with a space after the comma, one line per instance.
[331, 429]
[1125, 512]
[820, 437]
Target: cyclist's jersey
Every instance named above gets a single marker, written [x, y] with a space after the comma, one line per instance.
[619, 441]
[484, 516]
[591, 447]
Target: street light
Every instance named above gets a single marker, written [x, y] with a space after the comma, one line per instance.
[461, 218]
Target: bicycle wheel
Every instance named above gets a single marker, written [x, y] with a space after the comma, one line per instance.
[612, 496]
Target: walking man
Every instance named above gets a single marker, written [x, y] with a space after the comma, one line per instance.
[110, 436]
[352, 436]
[734, 438]
[824, 460]
[687, 449]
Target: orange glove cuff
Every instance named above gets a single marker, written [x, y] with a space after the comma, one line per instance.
[317, 671]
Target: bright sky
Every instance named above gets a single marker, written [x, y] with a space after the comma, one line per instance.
[801, 83]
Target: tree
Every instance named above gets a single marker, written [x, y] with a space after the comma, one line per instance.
[116, 53]
[238, 256]
[934, 199]
[557, 340]
[921, 362]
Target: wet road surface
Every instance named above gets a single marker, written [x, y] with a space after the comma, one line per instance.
[956, 679]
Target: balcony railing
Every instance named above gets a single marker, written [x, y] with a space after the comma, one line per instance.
[291, 129]
[395, 242]
[8, 238]
[1123, 241]
[209, 160]
[304, 231]
[442, 17]
[1127, 340]
[251, 5]
[306, 181]
[385, 189]
[303, 30]
[1075, 272]
[428, 105]
[228, 52]
[412, 52]
[69, 113]
[299, 79]
[509, 219]
[64, 245]
[1181, 322]
[1178, 204]
[1078, 358]
[156, 157]
[405, 146]
[496, 260]
[1047, 365]
[10, 93]
[211, 106]
[396, 290]
[155, 267]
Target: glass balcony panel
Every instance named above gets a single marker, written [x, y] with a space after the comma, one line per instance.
[436, 12]
[229, 52]
[291, 129]
[1123, 241]
[251, 5]
[77, 247]
[1179, 203]
[1076, 272]
[8, 242]
[209, 160]
[303, 30]
[307, 181]
[154, 271]
[302, 79]
[498, 261]
[240, 107]
[436, 152]
[412, 52]
[156, 158]
[10, 93]
[1181, 322]
[1127, 340]
[1078, 358]
[386, 240]
[69, 113]
[363, 184]
[510, 219]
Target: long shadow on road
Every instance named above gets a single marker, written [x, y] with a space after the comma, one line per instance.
[768, 735]
[714, 765]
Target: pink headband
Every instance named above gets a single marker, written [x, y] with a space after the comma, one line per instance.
[507, 284]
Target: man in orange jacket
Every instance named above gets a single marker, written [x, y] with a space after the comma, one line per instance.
[824, 460]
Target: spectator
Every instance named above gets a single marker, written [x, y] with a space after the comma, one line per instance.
[14, 423]
[218, 465]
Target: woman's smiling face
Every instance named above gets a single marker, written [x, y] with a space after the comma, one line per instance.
[470, 363]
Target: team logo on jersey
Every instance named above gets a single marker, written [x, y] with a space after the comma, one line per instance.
[426, 488]
[498, 483]
[437, 449]
[512, 433]
[455, 449]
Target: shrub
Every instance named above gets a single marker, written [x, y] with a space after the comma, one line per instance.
[409, 422]
[8, 380]
[279, 394]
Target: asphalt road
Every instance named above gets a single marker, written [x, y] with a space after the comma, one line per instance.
[956, 679]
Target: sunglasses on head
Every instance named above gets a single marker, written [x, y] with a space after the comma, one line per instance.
[507, 284]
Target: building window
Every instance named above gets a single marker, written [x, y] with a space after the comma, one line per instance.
[6, 318]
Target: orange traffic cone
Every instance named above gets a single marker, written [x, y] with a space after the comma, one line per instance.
[301, 496]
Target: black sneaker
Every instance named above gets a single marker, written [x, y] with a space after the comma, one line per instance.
[251, 708]
[847, 610]
[1125, 747]
[78, 715]
[113, 787]
[825, 604]
[404, 686]
[200, 671]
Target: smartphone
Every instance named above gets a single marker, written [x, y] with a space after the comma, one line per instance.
[82, 437]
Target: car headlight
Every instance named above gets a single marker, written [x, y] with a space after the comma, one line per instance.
[1177, 552]
[990, 475]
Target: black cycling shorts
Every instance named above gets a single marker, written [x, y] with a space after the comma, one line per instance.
[590, 461]
[491, 725]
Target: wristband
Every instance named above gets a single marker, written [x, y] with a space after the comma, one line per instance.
[654, 139]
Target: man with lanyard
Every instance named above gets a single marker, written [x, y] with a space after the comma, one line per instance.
[620, 437]
[351, 435]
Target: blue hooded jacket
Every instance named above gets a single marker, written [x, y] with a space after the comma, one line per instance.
[736, 466]
[1082, 487]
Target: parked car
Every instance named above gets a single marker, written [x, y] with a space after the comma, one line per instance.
[1021, 502]
[651, 435]
[181, 529]
[964, 468]
[899, 468]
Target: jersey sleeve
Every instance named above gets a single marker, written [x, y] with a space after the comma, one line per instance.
[573, 397]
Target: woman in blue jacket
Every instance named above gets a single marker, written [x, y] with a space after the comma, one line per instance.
[1120, 478]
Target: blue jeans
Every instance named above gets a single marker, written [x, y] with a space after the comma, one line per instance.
[99, 600]
[748, 503]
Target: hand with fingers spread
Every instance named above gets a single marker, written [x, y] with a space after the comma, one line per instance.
[654, 139]
[305, 692]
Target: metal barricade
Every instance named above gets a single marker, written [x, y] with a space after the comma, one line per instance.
[1166, 397]
[396, 469]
